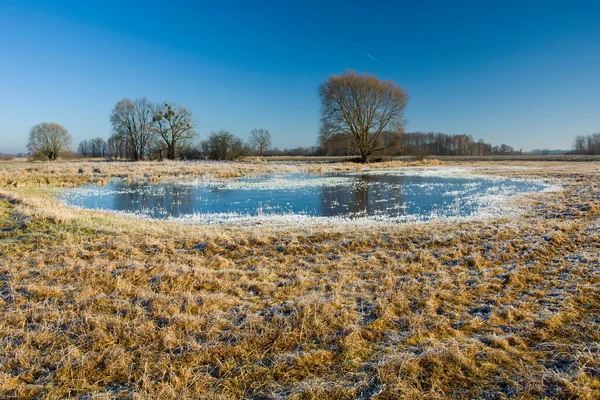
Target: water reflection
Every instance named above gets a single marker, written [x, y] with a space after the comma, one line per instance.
[350, 195]
[369, 194]
[157, 201]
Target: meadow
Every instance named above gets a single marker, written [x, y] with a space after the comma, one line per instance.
[99, 305]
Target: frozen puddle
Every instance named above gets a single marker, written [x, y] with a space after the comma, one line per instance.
[401, 195]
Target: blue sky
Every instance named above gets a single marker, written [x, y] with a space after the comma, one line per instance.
[524, 73]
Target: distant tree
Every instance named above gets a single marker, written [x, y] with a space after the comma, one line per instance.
[594, 142]
[363, 106]
[579, 144]
[260, 140]
[303, 151]
[191, 151]
[506, 149]
[98, 147]
[479, 148]
[132, 121]
[391, 142]
[48, 139]
[589, 144]
[84, 148]
[421, 143]
[223, 145]
[174, 128]
[324, 141]
[118, 146]
[337, 144]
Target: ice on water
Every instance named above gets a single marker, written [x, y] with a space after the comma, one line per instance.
[366, 197]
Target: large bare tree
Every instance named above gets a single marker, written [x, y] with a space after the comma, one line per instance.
[363, 106]
[49, 139]
[260, 140]
[132, 120]
[174, 127]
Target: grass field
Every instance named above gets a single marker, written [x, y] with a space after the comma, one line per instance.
[96, 305]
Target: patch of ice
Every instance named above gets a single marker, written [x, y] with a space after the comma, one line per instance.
[467, 201]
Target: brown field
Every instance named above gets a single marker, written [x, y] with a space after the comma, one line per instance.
[95, 305]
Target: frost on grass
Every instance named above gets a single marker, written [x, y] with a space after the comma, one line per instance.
[96, 306]
[365, 198]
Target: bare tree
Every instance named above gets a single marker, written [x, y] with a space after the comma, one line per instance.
[579, 144]
[84, 148]
[49, 139]
[589, 144]
[118, 146]
[363, 106]
[174, 127]
[97, 147]
[132, 120]
[337, 144]
[260, 140]
[223, 145]
[324, 141]
[595, 143]
[391, 142]
[505, 149]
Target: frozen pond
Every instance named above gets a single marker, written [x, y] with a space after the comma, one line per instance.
[418, 194]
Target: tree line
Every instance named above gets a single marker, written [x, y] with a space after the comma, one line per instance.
[360, 115]
[145, 130]
[589, 144]
[414, 143]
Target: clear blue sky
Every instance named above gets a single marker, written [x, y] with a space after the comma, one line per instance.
[525, 73]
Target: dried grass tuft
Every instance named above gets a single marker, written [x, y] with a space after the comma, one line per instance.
[98, 305]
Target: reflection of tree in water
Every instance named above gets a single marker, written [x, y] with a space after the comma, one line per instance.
[159, 201]
[369, 194]
[377, 194]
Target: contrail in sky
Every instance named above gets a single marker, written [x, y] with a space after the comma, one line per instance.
[373, 58]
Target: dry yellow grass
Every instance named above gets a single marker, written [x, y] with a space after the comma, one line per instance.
[75, 173]
[95, 305]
